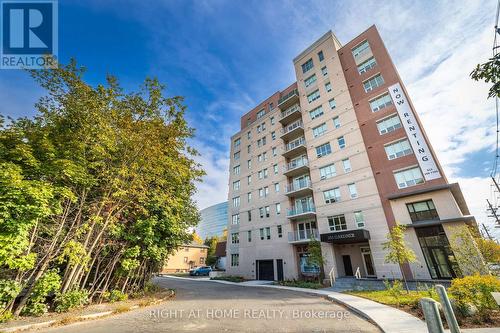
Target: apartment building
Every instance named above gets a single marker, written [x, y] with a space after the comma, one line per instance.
[340, 156]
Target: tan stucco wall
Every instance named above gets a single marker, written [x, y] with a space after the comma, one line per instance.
[177, 263]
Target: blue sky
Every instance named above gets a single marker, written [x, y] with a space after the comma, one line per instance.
[225, 56]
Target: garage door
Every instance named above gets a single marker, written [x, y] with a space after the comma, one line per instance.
[265, 270]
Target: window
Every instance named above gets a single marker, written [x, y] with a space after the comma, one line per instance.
[261, 113]
[249, 236]
[319, 130]
[249, 147]
[278, 208]
[266, 191]
[237, 143]
[265, 173]
[264, 155]
[259, 158]
[316, 112]
[353, 192]
[332, 103]
[347, 165]
[341, 142]
[272, 121]
[236, 170]
[307, 65]
[263, 126]
[235, 259]
[276, 187]
[261, 192]
[280, 231]
[258, 129]
[261, 231]
[236, 156]
[236, 202]
[268, 211]
[367, 65]
[261, 212]
[249, 215]
[324, 71]
[236, 185]
[235, 238]
[359, 219]
[274, 150]
[337, 223]
[336, 122]
[259, 142]
[328, 87]
[327, 171]
[422, 211]
[323, 150]
[388, 125]
[332, 195]
[202, 260]
[361, 49]
[273, 135]
[310, 80]
[313, 96]
[249, 164]
[321, 56]
[271, 106]
[236, 219]
[185, 259]
[260, 174]
[249, 179]
[249, 196]
[380, 102]
[275, 168]
[249, 135]
[263, 140]
[373, 83]
[268, 232]
[410, 177]
[398, 149]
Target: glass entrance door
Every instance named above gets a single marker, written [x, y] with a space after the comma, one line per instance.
[366, 253]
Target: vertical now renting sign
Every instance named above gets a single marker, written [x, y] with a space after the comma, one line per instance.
[415, 136]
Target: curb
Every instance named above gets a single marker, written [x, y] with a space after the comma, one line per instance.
[77, 319]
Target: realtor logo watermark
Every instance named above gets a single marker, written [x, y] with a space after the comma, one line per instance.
[28, 34]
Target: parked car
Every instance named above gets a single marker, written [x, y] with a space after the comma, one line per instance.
[203, 270]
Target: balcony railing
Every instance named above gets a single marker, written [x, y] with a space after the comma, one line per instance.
[296, 164]
[295, 143]
[298, 185]
[303, 235]
[302, 209]
[292, 126]
[284, 98]
[290, 110]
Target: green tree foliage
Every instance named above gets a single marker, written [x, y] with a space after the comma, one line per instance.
[490, 73]
[212, 245]
[96, 189]
[315, 257]
[398, 252]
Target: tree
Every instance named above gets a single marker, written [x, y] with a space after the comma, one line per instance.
[197, 239]
[398, 251]
[466, 252]
[96, 188]
[489, 249]
[212, 245]
[315, 257]
[490, 73]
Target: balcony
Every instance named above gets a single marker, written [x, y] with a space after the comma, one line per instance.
[298, 188]
[292, 130]
[302, 236]
[288, 99]
[290, 114]
[297, 167]
[302, 211]
[295, 147]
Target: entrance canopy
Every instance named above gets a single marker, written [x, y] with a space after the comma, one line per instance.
[346, 237]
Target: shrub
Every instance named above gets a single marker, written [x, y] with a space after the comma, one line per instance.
[475, 290]
[5, 316]
[231, 278]
[115, 296]
[301, 284]
[49, 283]
[8, 291]
[395, 290]
[71, 299]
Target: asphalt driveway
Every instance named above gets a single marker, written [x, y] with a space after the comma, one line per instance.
[207, 306]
